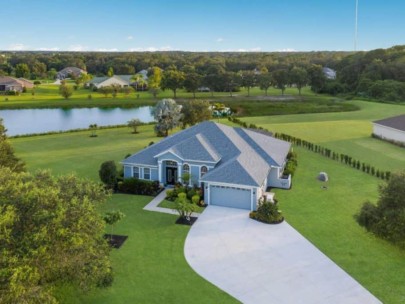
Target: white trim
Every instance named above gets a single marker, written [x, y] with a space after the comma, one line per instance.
[167, 151]
[139, 165]
[229, 185]
[150, 173]
[139, 172]
[189, 171]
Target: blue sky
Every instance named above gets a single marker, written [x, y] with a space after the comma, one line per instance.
[195, 25]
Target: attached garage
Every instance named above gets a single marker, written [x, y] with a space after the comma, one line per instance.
[230, 197]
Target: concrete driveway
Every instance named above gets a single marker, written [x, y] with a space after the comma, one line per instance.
[260, 263]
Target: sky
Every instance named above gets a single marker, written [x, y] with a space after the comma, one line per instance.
[196, 25]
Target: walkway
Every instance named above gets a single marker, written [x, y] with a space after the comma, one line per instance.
[153, 205]
[260, 263]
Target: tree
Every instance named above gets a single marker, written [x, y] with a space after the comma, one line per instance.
[299, 77]
[106, 90]
[195, 111]
[154, 81]
[139, 81]
[387, 218]
[108, 173]
[134, 124]
[173, 80]
[83, 78]
[22, 70]
[280, 79]
[115, 88]
[265, 81]
[192, 82]
[38, 70]
[111, 218]
[231, 81]
[167, 115]
[51, 233]
[110, 72]
[317, 78]
[65, 90]
[249, 79]
[184, 207]
[52, 73]
[7, 157]
[127, 90]
[93, 128]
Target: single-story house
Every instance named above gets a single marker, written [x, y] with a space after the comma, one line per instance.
[234, 166]
[8, 83]
[120, 80]
[392, 128]
[68, 72]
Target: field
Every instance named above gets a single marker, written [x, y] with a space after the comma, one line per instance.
[348, 132]
[47, 96]
[151, 268]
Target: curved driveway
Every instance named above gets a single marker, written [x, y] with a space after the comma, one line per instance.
[259, 263]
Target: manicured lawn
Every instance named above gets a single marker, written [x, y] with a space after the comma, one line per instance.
[346, 132]
[171, 205]
[325, 217]
[150, 267]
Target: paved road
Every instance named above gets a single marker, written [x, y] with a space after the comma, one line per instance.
[259, 263]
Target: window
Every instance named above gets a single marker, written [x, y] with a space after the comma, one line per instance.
[170, 163]
[203, 170]
[186, 173]
[146, 173]
[186, 168]
[136, 172]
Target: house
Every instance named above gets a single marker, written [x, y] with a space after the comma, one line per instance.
[329, 73]
[68, 72]
[8, 83]
[234, 166]
[391, 129]
[120, 80]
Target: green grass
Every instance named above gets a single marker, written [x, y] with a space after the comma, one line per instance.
[171, 205]
[150, 267]
[325, 217]
[346, 132]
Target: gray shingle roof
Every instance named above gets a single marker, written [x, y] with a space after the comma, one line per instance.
[244, 157]
[396, 122]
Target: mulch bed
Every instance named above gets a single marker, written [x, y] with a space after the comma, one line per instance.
[115, 241]
[271, 223]
[184, 221]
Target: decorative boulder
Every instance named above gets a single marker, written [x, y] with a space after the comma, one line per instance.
[323, 177]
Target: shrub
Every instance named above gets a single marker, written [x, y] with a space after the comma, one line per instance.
[37, 82]
[184, 207]
[139, 186]
[267, 212]
[195, 199]
[108, 174]
[89, 96]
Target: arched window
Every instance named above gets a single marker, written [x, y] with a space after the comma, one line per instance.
[186, 168]
[203, 170]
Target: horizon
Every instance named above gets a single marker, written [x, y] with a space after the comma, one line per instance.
[249, 26]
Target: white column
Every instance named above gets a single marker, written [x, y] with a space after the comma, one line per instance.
[179, 172]
[160, 171]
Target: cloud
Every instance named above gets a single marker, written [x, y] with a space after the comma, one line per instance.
[77, 48]
[17, 47]
[287, 50]
[220, 39]
[130, 37]
[106, 50]
[152, 49]
[54, 49]
[256, 49]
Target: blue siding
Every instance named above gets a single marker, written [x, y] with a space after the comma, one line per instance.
[195, 174]
[154, 174]
[127, 171]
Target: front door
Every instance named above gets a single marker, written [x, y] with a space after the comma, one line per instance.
[171, 175]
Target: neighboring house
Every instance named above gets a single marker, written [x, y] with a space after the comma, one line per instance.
[120, 80]
[392, 129]
[234, 166]
[329, 73]
[8, 83]
[68, 72]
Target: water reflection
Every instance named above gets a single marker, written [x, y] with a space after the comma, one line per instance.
[29, 121]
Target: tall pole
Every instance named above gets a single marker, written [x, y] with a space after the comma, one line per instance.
[355, 25]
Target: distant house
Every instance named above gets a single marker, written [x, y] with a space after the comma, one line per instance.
[120, 80]
[8, 83]
[68, 72]
[233, 166]
[391, 129]
[329, 73]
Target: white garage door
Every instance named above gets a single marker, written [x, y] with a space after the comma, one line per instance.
[230, 197]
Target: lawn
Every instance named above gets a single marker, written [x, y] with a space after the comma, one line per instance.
[325, 217]
[150, 267]
[345, 132]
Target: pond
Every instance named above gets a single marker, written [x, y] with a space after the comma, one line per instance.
[19, 122]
